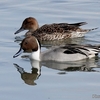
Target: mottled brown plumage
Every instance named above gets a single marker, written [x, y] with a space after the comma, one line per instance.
[55, 31]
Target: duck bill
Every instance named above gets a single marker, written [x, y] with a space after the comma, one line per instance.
[18, 53]
[18, 31]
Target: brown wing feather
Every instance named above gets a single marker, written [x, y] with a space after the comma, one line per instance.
[55, 28]
[56, 31]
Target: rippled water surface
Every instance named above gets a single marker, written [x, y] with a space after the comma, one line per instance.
[54, 81]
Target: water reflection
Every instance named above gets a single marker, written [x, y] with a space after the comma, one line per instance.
[87, 65]
[30, 77]
[46, 44]
[18, 39]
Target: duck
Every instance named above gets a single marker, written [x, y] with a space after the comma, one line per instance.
[54, 31]
[64, 53]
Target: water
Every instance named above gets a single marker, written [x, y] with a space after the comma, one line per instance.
[55, 81]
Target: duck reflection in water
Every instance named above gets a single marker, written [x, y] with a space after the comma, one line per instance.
[87, 65]
[27, 77]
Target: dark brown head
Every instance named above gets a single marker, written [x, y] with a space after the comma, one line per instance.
[29, 44]
[30, 24]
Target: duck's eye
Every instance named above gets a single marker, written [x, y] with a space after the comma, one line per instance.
[25, 43]
[31, 23]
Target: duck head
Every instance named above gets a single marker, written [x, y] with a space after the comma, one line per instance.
[30, 24]
[30, 44]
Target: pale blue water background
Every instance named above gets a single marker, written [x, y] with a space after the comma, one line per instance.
[52, 84]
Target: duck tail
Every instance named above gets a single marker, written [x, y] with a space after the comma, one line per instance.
[88, 30]
[97, 47]
[79, 24]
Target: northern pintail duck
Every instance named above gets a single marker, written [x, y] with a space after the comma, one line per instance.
[55, 31]
[69, 52]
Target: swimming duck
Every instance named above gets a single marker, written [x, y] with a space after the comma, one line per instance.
[69, 52]
[55, 31]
